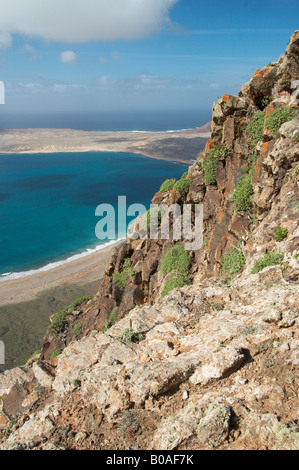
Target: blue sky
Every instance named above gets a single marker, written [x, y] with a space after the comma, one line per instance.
[90, 55]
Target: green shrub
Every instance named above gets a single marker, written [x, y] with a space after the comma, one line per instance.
[233, 261]
[278, 117]
[110, 322]
[211, 162]
[122, 277]
[184, 175]
[297, 138]
[56, 353]
[280, 234]
[167, 185]
[130, 336]
[270, 259]
[77, 330]
[58, 323]
[182, 185]
[255, 128]
[243, 192]
[176, 258]
[79, 302]
[176, 281]
[266, 101]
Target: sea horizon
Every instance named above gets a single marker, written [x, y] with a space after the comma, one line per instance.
[120, 121]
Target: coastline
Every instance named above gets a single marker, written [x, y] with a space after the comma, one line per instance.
[81, 271]
[179, 146]
[24, 286]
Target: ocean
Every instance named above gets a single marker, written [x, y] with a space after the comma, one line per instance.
[48, 203]
[151, 121]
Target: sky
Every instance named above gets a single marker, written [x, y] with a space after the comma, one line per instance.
[75, 56]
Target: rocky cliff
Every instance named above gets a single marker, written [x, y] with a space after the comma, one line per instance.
[179, 349]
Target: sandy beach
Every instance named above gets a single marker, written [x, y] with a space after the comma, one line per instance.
[181, 146]
[86, 270]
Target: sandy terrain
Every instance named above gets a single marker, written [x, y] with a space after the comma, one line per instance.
[181, 146]
[80, 272]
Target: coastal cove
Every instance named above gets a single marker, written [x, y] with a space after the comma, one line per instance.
[48, 203]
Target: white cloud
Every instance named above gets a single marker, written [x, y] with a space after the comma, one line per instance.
[68, 57]
[29, 49]
[80, 21]
[115, 55]
[103, 60]
[5, 40]
[31, 52]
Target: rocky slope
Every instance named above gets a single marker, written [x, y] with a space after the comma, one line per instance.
[214, 362]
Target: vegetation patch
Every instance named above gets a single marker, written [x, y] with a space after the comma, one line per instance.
[110, 322]
[297, 138]
[278, 117]
[270, 259]
[77, 329]
[122, 277]
[182, 186]
[80, 301]
[280, 234]
[243, 192]
[59, 322]
[176, 281]
[266, 101]
[255, 128]
[167, 185]
[55, 354]
[211, 162]
[176, 259]
[130, 336]
[233, 262]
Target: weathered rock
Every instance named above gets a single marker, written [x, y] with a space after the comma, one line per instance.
[214, 426]
[220, 365]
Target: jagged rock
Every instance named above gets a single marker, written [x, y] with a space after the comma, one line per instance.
[220, 365]
[176, 429]
[44, 374]
[266, 431]
[214, 426]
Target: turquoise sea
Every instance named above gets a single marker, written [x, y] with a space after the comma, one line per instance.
[48, 202]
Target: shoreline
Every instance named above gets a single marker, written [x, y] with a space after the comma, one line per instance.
[87, 267]
[84, 270]
[14, 276]
[180, 146]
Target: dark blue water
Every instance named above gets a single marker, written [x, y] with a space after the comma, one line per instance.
[109, 121]
[48, 201]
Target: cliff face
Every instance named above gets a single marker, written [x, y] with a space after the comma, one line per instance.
[213, 363]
